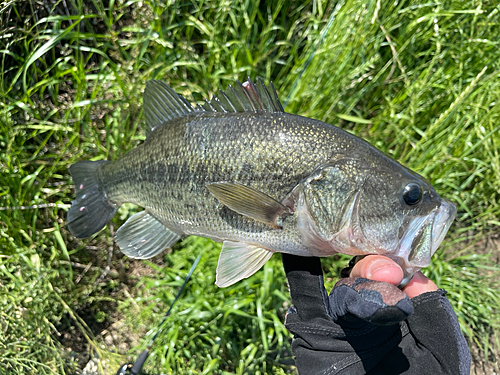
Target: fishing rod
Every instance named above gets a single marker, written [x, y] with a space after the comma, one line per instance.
[136, 367]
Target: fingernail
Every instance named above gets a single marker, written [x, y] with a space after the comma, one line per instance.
[379, 267]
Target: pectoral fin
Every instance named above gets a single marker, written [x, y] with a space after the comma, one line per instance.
[249, 202]
[238, 261]
[143, 236]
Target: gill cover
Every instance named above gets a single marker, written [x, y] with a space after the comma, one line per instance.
[327, 212]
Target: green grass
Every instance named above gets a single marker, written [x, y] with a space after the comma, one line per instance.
[421, 81]
[232, 330]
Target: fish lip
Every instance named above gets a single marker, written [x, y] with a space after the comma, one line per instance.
[423, 236]
[444, 218]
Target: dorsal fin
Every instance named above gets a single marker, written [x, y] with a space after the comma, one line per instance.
[245, 97]
[162, 104]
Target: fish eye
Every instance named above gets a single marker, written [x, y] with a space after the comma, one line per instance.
[412, 194]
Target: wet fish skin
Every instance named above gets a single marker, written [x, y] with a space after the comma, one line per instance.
[339, 193]
[168, 174]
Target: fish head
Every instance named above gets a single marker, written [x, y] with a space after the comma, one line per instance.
[401, 215]
[356, 208]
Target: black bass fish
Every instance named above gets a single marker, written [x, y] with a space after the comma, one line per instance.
[241, 171]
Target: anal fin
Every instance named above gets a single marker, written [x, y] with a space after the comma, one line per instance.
[143, 236]
[239, 260]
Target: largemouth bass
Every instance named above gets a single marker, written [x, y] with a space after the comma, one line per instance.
[241, 171]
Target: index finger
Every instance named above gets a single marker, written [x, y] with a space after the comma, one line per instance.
[419, 284]
[305, 281]
[381, 268]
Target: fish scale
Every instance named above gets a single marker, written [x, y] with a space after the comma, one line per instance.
[242, 171]
[177, 148]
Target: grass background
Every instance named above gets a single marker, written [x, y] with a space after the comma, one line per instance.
[419, 80]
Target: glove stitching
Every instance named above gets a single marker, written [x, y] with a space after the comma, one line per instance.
[339, 366]
[405, 330]
[331, 331]
[356, 358]
[309, 329]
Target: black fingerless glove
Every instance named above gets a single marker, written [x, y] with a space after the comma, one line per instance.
[369, 327]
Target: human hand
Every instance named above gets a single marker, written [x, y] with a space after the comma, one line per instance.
[381, 268]
[369, 326]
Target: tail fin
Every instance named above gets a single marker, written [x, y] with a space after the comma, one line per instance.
[91, 210]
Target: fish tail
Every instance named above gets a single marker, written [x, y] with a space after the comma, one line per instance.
[91, 210]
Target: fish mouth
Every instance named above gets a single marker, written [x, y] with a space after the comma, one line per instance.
[423, 236]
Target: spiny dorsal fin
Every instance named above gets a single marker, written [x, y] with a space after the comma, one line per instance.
[162, 104]
[245, 97]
